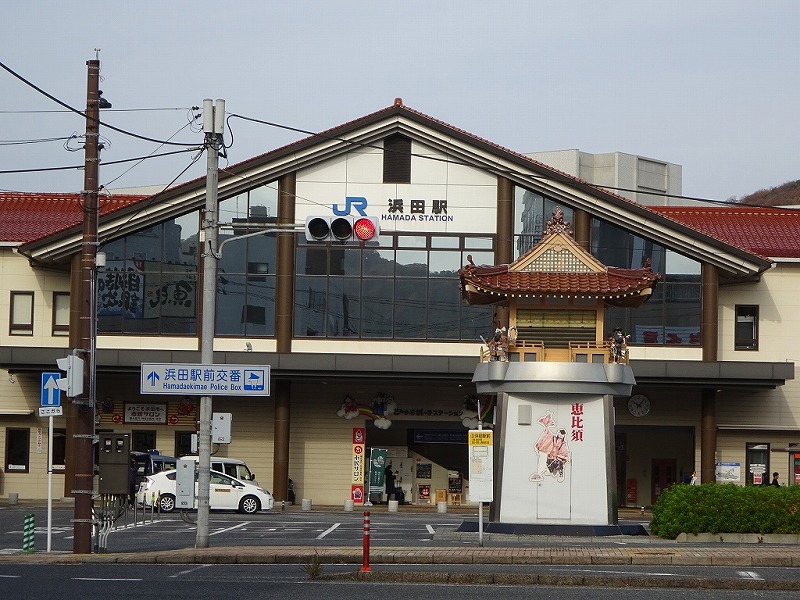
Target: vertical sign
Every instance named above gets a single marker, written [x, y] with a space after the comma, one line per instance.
[357, 484]
[481, 468]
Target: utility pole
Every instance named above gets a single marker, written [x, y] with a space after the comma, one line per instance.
[82, 413]
[213, 127]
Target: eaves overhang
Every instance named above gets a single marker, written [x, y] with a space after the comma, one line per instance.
[459, 146]
[304, 366]
[712, 374]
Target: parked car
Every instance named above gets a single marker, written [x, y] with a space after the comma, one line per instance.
[226, 493]
[230, 466]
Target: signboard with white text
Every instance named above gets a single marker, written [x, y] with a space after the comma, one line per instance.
[204, 380]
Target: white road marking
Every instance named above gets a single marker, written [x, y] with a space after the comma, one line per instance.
[227, 529]
[187, 571]
[107, 579]
[328, 530]
[749, 575]
[431, 530]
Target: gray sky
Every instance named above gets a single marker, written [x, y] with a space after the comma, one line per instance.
[709, 84]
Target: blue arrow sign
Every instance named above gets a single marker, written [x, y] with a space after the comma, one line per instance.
[153, 377]
[50, 394]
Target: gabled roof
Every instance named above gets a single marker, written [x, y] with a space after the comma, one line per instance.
[556, 266]
[460, 146]
[28, 217]
[769, 232]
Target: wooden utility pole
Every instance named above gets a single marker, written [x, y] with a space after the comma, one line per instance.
[80, 421]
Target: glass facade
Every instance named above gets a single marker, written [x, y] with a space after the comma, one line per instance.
[149, 283]
[247, 268]
[671, 316]
[402, 287]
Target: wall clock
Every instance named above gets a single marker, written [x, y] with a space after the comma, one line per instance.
[639, 405]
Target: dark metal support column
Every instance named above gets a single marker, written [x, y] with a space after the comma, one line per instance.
[710, 336]
[284, 303]
[504, 252]
[583, 228]
[708, 436]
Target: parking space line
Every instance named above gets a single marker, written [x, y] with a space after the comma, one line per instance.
[227, 529]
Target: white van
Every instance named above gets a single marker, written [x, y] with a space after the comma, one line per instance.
[230, 466]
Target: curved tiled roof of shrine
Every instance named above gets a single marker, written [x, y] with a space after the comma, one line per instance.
[557, 266]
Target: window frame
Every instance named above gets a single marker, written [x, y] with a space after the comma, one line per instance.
[14, 326]
[740, 343]
[762, 448]
[11, 433]
[59, 328]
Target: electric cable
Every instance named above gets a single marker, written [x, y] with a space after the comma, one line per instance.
[83, 114]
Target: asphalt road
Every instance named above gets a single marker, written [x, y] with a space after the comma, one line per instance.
[251, 582]
[151, 532]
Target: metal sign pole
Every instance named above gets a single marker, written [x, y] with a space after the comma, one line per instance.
[49, 483]
[480, 503]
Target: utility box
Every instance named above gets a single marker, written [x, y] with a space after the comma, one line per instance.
[114, 463]
[221, 428]
[185, 477]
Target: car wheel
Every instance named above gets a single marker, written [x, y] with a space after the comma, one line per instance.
[249, 505]
[166, 503]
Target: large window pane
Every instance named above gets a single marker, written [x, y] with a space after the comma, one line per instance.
[376, 310]
[444, 309]
[310, 307]
[410, 314]
[149, 283]
[344, 307]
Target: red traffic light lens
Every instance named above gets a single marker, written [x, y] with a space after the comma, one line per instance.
[364, 229]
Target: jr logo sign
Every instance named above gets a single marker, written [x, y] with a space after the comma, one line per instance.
[357, 203]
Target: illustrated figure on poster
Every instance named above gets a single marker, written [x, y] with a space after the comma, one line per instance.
[619, 346]
[552, 450]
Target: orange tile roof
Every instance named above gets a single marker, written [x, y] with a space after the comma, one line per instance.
[612, 284]
[25, 217]
[768, 232]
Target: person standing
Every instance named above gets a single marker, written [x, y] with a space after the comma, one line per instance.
[389, 482]
[775, 481]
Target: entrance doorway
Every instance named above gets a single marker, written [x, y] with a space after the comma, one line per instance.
[663, 476]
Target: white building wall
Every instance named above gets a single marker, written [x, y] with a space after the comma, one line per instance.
[628, 175]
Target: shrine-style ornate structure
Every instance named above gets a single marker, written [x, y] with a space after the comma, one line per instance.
[555, 376]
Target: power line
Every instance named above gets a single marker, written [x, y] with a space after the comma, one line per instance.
[35, 141]
[113, 162]
[110, 110]
[81, 113]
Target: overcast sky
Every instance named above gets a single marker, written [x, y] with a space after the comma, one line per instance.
[711, 85]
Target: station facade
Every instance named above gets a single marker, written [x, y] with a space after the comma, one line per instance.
[377, 338]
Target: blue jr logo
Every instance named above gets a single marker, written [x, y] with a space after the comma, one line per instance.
[351, 202]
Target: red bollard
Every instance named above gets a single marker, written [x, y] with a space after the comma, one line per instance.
[365, 561]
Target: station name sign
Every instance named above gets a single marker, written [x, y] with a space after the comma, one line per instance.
[204, 380]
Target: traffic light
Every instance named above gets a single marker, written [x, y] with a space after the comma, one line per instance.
[72, 383]
[341, 229]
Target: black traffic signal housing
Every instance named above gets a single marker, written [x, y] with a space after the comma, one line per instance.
[342, 229]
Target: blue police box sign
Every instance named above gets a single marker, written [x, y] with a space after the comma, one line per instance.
[204, 380]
